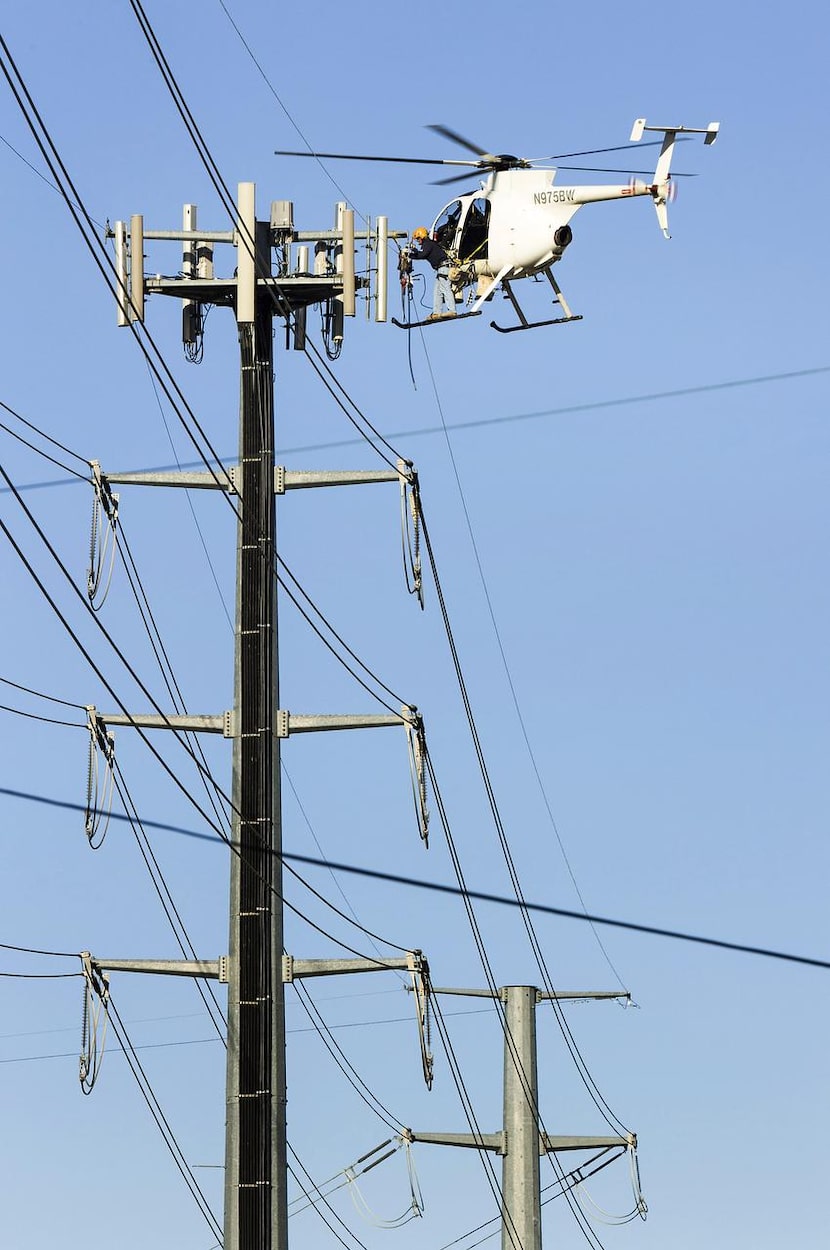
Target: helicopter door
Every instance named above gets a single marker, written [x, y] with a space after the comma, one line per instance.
[446, 225]
[473, 243]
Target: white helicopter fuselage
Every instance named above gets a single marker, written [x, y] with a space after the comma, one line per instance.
[517, 224]
[518, 221]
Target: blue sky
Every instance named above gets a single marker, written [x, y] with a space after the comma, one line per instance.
[638, 500]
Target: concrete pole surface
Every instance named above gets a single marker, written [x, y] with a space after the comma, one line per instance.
[521, 1214]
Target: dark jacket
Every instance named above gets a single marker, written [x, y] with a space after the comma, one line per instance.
[431, 251]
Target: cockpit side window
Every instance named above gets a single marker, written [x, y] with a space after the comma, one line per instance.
[473, 245]
[446, 225]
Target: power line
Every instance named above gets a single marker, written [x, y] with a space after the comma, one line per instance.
[510, 418]
[508, 674]
[440, 888]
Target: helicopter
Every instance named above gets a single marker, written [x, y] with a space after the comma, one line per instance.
[516, 224]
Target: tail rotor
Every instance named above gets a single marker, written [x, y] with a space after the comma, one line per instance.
[663, 190]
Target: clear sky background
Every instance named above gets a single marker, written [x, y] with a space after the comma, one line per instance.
[637, 500]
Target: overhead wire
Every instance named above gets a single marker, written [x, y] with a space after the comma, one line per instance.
[83, 477]
[171, 910]
[96, 669]
[333, 866]
[222, 190]
[510, 1045]
[292, 594]
[47, 720]
[85, 652]
[509, 676]
[465, 1099]
[42, 976]
[484, 422]
[102, 261]
[286, 570]
[325, 1202]
[36, 171]
[153, 367]
[213, 791]
[281, 103]
[571, 1177]
[567, 1034]
[570, 1042]
[337, 1053]
[162, 1122]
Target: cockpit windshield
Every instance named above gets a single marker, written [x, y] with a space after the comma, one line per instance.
[463, 227]
[446, 225]
[473, 243]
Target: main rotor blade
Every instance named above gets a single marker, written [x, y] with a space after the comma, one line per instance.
[445, 182]
[589, 169]
[597, 169]
[459, 139]
[396, 160]
[620, 147]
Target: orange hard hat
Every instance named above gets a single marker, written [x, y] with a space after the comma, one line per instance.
[420, 232]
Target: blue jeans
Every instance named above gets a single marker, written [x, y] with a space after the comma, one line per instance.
[443, 292]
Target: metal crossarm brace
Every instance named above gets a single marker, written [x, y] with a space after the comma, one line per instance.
[297, 969]
[551, 1145]
[214, 969]
[225, 723]
[474, 1141]
[229, 479]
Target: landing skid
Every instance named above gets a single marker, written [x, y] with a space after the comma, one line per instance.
[534, 325]
[524, 324]
[431, 321]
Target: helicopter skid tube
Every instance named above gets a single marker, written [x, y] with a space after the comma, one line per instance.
[536, 325]
[432, 321]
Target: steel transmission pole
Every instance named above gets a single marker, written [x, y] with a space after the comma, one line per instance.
[255, 1162]
[520, 1141]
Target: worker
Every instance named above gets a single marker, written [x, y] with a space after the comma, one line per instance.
[427, 249]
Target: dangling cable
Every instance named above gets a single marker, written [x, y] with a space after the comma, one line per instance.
[411, 529]
[416, 741]
[421, 988]
[96, 1003]
[640, 1206]
[416, 1202]
[98, 793]
[405, 275]
[639, 1200]
[101, 550]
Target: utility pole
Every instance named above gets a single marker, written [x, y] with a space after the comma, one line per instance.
[256, 969]
[520, 1142]
[255, 1150]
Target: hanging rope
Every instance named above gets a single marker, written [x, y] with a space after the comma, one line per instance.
[99, 791]
[411, 529]
[416, 741]
[421, 989]
[102, 538]
[414, 1210]
[93, 1035]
